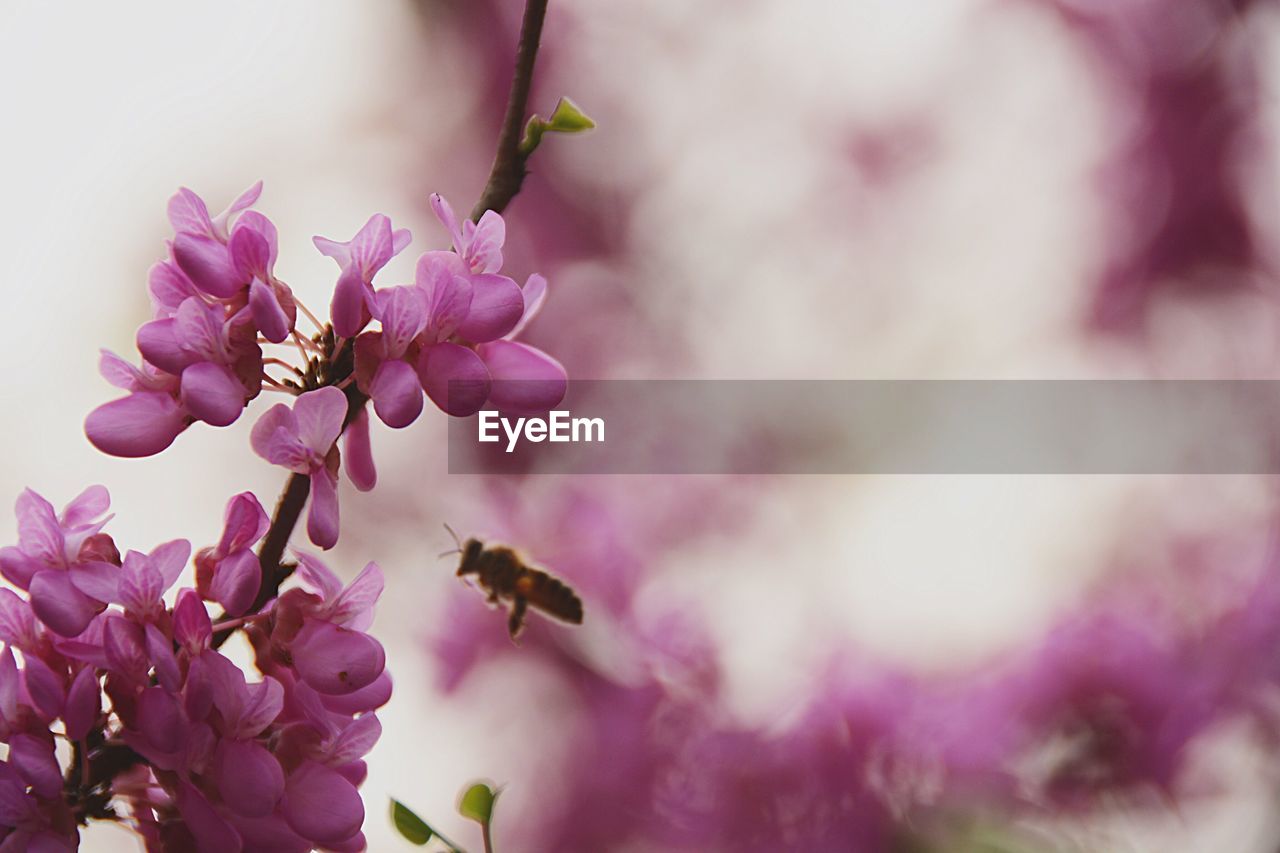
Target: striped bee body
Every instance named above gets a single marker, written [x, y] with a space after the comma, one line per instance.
[505, 576]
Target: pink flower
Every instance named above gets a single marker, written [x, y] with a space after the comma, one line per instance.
[382, 369]
[139, 583]
[48, 559]
[330, 649]
[303, 441]
[230, 573]
[147, 420]
[360, 259]
[478, 245]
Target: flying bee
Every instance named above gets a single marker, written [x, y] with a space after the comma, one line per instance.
[503, 574]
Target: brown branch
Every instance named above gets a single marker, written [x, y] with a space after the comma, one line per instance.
[507, 174]
[505, 180]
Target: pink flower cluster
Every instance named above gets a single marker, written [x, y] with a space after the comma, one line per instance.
[202, 361]
[215, 762]
[450, 333]
[217, 300]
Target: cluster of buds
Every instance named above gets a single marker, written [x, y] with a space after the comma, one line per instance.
[204, 758]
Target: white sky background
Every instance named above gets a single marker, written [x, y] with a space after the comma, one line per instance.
[974, 265]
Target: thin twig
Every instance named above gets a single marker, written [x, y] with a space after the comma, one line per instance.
[508, 170]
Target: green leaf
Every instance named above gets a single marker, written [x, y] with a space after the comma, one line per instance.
[477, 803]
[412, 827]
[569, 119]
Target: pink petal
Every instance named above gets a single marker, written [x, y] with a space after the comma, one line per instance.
[268, 316]
[355, 844]
[212, 393]
[84, 703]
[85, 507]
[335, 660]
[444, 212]
[454, 378]
[192, 629]
[169, 287]
[356, 740]
[496, 306]
[353, 608]
[318, 576]
[400, 239]
[321, 805]
[525, 380]
[236, 582]
[212, 833]
[348, 310]
[402, 311]
[39, 532]
[17, 624]
[371, 248]
[17, 567]
[169, 559]
[202, 329]
[16, 806]
[322, 514]
[244, 200]
[250, 254]
[244, 523]
[125, 647]
[46, 690]
[159, 719]
[448, 294]
[396, 394]
[97, 579]
[142, 424]
[117, 371]
[484, 251]
[197, 693]
[320, 415]
[188, 213]
[367, 698]
[159, 343]
[49, 841]
[535, 293]
[250, 780]
[357, 455]
[160, 650]
[265, 700]
[140, 584]
[9, 679]
[333, 249]
[226, 682]
[60, 606]
[207, 263]
[275, 438]
[35, 762]
[266, 229]
[270, 835]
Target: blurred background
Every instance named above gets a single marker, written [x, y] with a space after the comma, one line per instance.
[873, 189]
